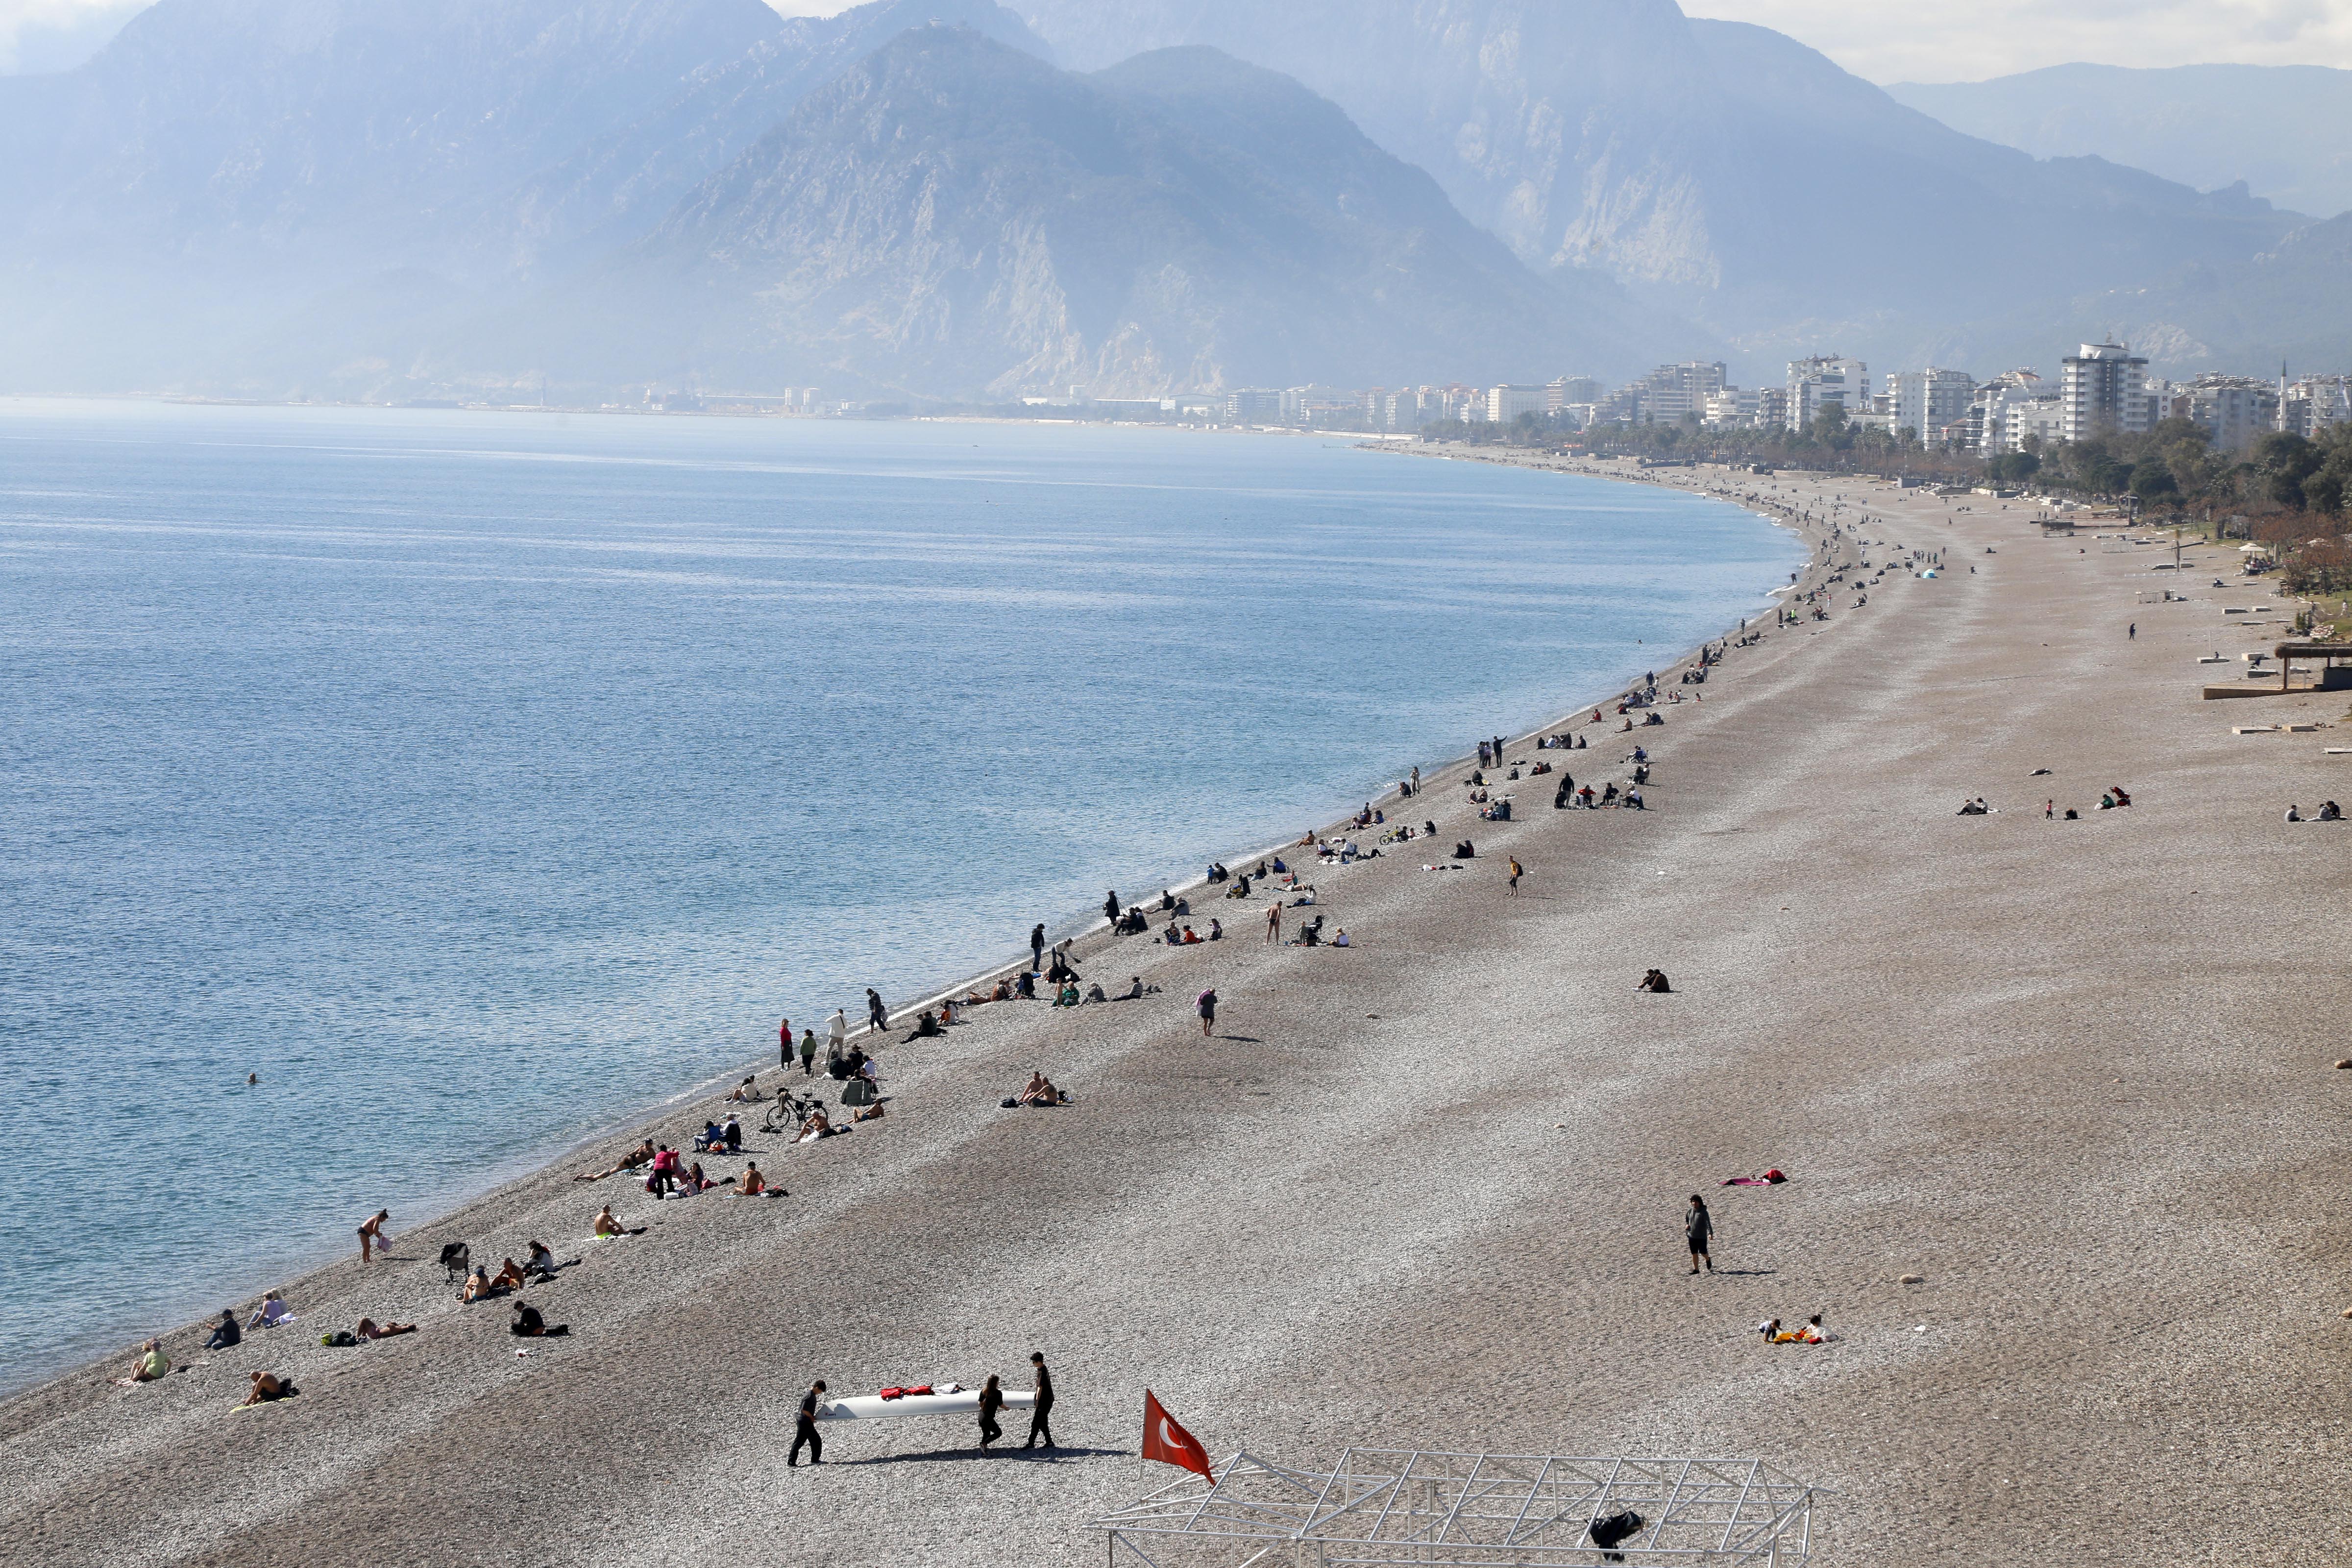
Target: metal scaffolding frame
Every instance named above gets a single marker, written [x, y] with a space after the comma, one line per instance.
[1380, 1506]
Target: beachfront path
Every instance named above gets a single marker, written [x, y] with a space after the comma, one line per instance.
[1427, 1191]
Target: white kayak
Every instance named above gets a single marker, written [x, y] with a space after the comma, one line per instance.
[874, 1407]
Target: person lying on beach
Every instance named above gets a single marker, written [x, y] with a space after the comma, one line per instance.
[529, 1325]
[271, 1312]
[1654, 980]
[269, 1387]
[370, 1328]
[225, 1333]
[1772, 1178]
[606, 1225]
[508, 1277]
[642, 1155]
[868, 1113]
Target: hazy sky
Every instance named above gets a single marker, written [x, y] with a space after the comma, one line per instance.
[1884, 40]
[1917, 40]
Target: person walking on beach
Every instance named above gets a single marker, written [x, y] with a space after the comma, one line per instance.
[2133, 633]
[1273, 920]
[1518, 871]
[1040, 1415]
[372, 1233]
[991, 1400]
[805, 1430]
[1038, 946]
[1111, 906]
[878, 1016]
[1699, 1229]
[1208, 1009]
[1416, 781]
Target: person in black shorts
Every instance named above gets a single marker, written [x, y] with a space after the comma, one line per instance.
[806, 1431]
[991, 1400]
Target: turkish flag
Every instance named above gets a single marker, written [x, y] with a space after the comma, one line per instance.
[1170, 1444]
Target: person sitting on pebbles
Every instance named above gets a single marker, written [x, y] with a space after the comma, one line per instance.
[606, 1225]
[1654, 981]
[269, 1387]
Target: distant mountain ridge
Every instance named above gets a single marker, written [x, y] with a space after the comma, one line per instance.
[955, 217]
[1725, 169]
[2285, 131]
[368, 197]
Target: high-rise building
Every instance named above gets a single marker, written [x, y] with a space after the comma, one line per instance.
[1506, 404]
[1570, 389]
[1926, 401]
[1816, 383]
[1986, 419]
[2104, 390]
[2309, 407]
[1254, 403]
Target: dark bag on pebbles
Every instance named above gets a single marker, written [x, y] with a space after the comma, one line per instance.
[1009, 1105]
[1616, 1527]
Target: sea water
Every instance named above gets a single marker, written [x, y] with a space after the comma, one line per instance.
[477, 779]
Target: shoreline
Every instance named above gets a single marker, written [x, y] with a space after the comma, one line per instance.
[2046, 1163]
[1089, 937]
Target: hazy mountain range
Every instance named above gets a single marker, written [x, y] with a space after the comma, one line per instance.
[941, 198]
[2285, 131]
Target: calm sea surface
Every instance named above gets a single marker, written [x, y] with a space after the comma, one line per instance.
[481, 779]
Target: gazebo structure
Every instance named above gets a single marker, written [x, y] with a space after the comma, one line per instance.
[1395, 1507]
[2331, 677]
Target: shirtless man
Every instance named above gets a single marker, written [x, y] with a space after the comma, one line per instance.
[605, 1223]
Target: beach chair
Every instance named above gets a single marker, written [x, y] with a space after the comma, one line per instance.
[457, 1262]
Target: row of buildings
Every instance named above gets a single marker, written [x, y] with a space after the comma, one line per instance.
[2102, 388]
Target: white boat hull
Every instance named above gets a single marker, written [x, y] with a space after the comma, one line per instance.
[874, 1407]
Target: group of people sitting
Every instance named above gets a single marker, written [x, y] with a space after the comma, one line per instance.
[2328, 811]
[2114, 798]
[1187, 937]
[1809, 1333]
[1040, 1090]
[716, 1139]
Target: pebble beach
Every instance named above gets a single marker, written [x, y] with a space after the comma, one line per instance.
[2073, 1079]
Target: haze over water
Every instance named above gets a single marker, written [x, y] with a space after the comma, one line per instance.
[477, 779]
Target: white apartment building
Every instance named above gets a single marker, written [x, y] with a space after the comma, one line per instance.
[1988, 413]
[1816, 383]
[2234, 411]
[1506, 404]
[2104, 389]
[1572, 389]
[2043, 419]
[2309, 407]
[1924, 402]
